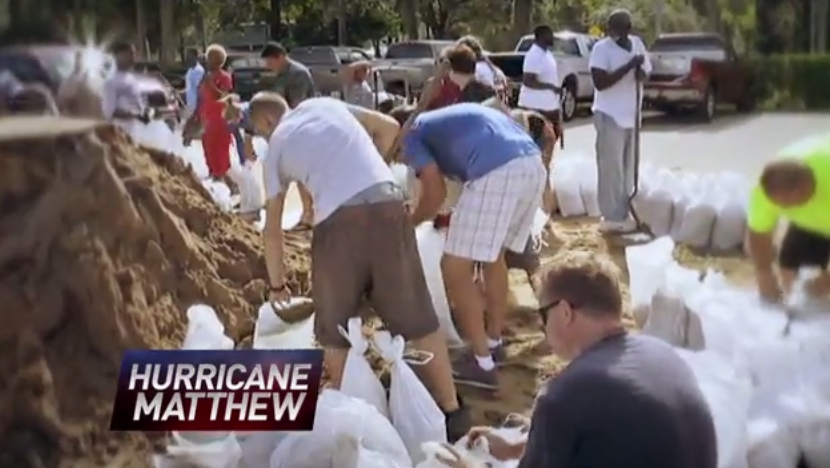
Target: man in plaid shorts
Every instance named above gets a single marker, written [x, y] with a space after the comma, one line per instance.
[503, 180]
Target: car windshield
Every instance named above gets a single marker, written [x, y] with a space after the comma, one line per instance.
[680, 43]
[409, 50]
[246, 62]
[313, 55]
[561, 46]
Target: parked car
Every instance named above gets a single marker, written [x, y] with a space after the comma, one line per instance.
[572, 52]
[511, 63]
[697, 71]
[249, 73]
[407, 65]
[325, 64]
[51, 65]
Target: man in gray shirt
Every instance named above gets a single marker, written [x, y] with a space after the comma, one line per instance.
[293, 81]
[624, 401]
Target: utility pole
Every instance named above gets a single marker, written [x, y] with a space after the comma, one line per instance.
[341, 22]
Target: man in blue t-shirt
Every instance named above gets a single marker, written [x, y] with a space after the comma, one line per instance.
[503, 181]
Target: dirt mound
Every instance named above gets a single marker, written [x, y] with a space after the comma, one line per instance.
[103, 246]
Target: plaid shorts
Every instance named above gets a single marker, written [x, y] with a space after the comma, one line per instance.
[496, 211]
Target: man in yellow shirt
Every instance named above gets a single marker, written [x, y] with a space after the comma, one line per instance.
[795, 188]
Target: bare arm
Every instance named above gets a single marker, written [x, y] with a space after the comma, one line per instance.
[604, 79]
[761, 251]
[382, 128]
[433, 191]
[274, 241]
[531, 80]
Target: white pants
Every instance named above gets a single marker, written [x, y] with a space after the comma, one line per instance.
[497, 211]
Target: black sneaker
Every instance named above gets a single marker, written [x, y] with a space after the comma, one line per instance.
[499, 355]
[466, 371]
[458, 422]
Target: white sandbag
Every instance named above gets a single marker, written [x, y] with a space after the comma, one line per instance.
[771, 443]
[567, 187]
[194, 156]
[338, 418]
[272, 332]
[204, 330]
[350, 453]
[435, 449]
[257, 447]
[646, 265]
[291, 217]
[728, 393]
[730, 226]
[697, 223]
[588, 187]
[431, 248]
[480, 455]
[247, 178]
[221, 453]
[359, 380]
[401, 174]
[413, 411]
[220, 193]
[657, 211]
[673, 322]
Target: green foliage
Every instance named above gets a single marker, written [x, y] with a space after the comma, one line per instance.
[793, 82]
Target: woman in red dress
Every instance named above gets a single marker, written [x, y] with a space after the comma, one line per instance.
[217, 136]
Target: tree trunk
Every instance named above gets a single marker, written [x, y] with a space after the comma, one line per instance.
[341, 22]
[409, 17]
[168, 35]
[141, 28]
[821, 17]
[522, 18]
[276, 20]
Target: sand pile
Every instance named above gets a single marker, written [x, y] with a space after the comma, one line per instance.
[103, 246]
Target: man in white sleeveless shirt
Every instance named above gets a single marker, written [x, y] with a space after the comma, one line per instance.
[363, 242]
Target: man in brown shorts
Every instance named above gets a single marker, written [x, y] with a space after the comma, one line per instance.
[363, 243]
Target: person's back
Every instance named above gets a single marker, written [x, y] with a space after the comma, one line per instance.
[631, 402]
[309, 134]
[470, 140]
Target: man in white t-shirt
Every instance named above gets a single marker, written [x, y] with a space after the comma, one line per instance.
[618, 66]
[122, 101]
[363, 243]
[541, 89]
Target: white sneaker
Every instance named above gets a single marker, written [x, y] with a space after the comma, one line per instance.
[617, 226]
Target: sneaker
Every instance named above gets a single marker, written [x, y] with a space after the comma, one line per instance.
[458, 422]
[609, 227]
[467, 372]
[499, 355]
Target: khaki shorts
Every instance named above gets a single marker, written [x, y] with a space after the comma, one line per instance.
[369, 252]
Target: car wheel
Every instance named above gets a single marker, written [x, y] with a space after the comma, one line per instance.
[568, 102]
[709, 105]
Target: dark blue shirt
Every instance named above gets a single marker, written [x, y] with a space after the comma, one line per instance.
[466, 141]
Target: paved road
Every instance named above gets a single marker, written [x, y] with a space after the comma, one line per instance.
[734, 142]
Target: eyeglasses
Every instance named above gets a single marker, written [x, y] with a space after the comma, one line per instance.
[543, 311]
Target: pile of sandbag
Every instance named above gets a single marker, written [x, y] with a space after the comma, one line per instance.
[767, 382]
[705, 211]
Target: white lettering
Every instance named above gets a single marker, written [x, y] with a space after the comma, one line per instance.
[205, 375]
[236, 406]
[194, 398]
[216, 397]
[287, 403]
[231, 382]
[140, 375]
[258, 411]
[256, 381]
[278, 377]
[152, 409]
[175, 409]
[299, 377]
[183, 378]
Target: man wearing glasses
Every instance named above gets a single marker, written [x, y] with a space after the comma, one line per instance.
[624, 400]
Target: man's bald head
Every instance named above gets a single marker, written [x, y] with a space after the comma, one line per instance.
[265, 111]
[788, 182]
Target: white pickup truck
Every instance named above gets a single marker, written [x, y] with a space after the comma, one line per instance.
[571, 51]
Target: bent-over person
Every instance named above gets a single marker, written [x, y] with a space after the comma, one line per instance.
[503, 180]
[363, 243]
